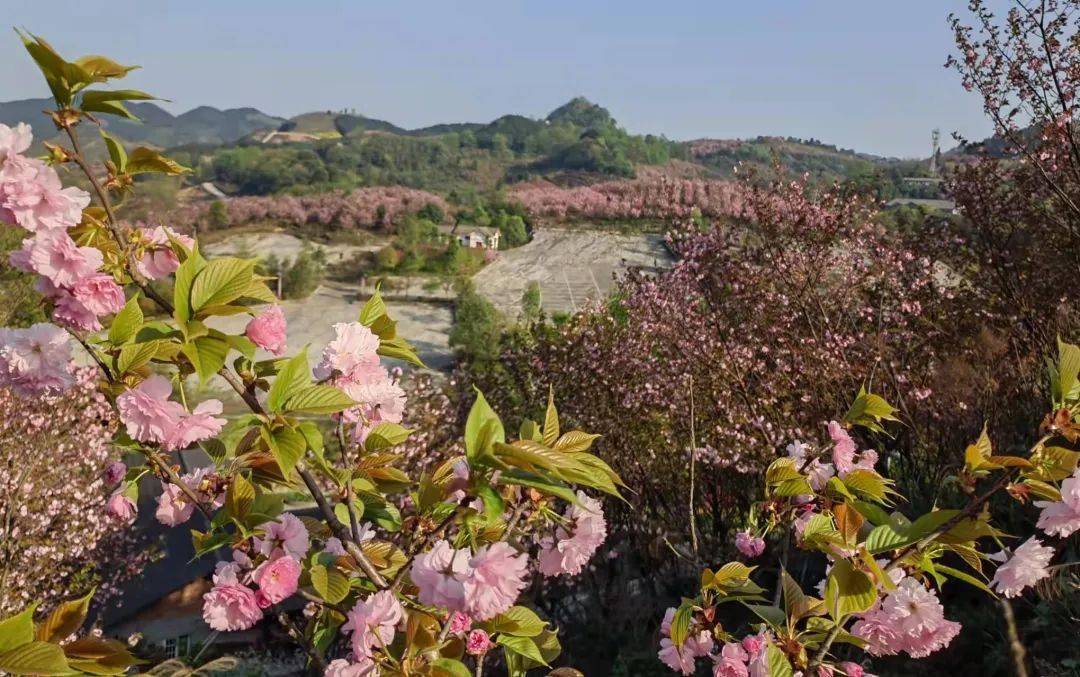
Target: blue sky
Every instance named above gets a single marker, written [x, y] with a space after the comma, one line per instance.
[863, 74]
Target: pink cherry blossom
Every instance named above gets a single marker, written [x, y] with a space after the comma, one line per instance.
[115, 472]
[340, 667]
[911, 619]
[121, 508]
[372, 622]
[731, 661]
[14, 140]
[682, 658]
[55, 256]
[843, 448]
[175, 507]
[334, 547]
[287, 535]
[845, 455]
[380, 399]
[354, 346]
[200, 424]
[749, 546]
[754, 644]
[459, 622]
[1062, 518]
[277, 580]
[36, 359]
[1027, 566]
[498, 576]
[268, 330]
[478, 643]
[159, 260]
[851, 669]
[817, 472]
[440, 575]
[80, 305]
[230, 607]
[32, 196]
[569, 553]
[147, 412]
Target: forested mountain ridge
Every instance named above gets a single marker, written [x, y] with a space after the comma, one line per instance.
[246, 151]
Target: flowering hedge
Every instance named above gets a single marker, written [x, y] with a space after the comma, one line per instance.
[56, 538]
[653, 198]
[404, 573]
[374, 207]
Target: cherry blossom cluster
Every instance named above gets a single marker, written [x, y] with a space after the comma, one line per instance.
[32, 197]
[351, 362]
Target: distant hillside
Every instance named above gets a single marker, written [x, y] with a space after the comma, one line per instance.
[798, 155]
[245, 151]
[158, 127]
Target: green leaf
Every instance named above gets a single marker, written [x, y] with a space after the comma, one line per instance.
[540, 483]
[64, 620]
[522, 645]
[448, 667]
[100, 68]
[869, 410]
[777, 662]
[887, 537]
[848, 591]
[207, 354]
[480, 415]
[221, 281]
[893, 535]
[135, 355]
[287, 446]
[312, 435]
[35, 658]
[680, 623]
[519, 621]
[116, 150]
[185, 277]
[399, 349]
[493, 502]
[145, 160]
[873, 513]
[574, 441]
[330, 583]
[551, 420]
[965, 577]
[867, 483]
[293, 376]
[318, 399]
[772, 615]
[373, 309]
[127, 322]
[239, 497]
[63, 77]
[386, 435]
[379, 511]
[108, 101]
[1068, 370]
[533, 455]
[18, 629]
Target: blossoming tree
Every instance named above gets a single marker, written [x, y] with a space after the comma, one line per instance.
[403, 574]
[879, 595]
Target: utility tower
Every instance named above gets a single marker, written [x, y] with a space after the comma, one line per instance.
[935, 154]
